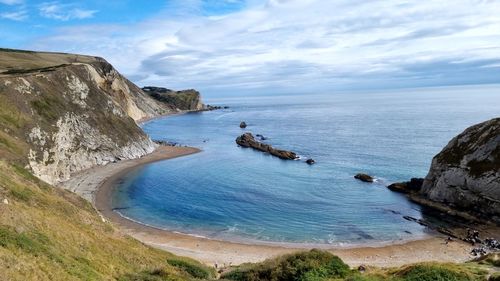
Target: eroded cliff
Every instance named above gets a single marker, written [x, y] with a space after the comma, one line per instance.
[466, 173]
[66, 113]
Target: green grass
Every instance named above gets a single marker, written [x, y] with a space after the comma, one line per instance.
[314, 265]
[317, 265]
[193, 270]
[52, 234]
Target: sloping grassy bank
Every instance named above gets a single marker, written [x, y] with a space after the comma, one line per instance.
[51, 234]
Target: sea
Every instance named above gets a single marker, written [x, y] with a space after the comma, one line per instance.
[231, 193]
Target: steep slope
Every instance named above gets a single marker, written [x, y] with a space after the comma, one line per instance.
[65, 113]
[60, 114]
[47, 233]
[184, 100]
[466, 173]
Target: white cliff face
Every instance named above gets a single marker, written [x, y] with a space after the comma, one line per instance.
[77, 116]
[77, 146]
[466, 173]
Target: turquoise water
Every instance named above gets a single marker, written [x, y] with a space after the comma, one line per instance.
[232, 193]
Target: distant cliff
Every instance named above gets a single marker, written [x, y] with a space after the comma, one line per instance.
[466, 173]
[183, 100]
[65, 113]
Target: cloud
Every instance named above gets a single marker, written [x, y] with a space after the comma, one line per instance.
[64, 12]
[293, 44]
[15, 16]
[11, 2]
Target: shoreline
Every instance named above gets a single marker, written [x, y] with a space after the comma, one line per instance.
[210, 251]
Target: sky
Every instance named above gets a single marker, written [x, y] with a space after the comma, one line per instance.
[270, 46]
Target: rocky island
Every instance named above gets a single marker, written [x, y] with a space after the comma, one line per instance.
[248, 140]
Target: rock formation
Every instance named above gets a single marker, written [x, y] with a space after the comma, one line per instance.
[71, 112]
[248, 140]
[243, 125]
[183, 100]
[364, 177]
[466, 173]
[412, 186]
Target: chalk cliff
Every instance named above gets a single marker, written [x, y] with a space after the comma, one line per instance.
[466, 173]
[66, 113]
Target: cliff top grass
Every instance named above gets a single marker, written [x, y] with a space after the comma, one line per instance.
[20, 61]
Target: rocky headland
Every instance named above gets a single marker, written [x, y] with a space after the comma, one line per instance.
[183, 100]
[464, 178]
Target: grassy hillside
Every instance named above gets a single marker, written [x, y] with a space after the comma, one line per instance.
[51, 234]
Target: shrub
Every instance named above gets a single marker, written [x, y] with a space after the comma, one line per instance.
[196, 270]
[314, 265]
[433, 273]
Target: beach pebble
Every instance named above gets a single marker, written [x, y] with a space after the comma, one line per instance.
[5, 201]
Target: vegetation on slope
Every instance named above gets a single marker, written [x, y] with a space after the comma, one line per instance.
[183, 100]
[317, 265]
[51, 234]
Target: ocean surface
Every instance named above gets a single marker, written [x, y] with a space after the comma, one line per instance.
[232, 193]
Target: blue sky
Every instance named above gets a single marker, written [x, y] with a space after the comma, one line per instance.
[249, 46]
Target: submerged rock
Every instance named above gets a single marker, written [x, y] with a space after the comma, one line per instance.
[243, 125]
[364, 177]
[248, 140]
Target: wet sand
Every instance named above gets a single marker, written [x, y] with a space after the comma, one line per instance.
[97, 186]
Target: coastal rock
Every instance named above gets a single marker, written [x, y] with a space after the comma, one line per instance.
[70, 113]
[310, 161]
[186, 100]
[364, 177]
[243, 125]
[248, 140]
[414, 185]
[261, 137]
[466, 173]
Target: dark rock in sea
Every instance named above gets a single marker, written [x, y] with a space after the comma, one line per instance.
[400, 187]
[261, 137]
[248, 140]
[310, 161]
[412, 186]
[209, 107]
[364, 177]
[243, 125]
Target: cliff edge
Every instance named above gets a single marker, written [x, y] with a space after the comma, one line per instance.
[63, 113]
[184, 100]
[466, 173]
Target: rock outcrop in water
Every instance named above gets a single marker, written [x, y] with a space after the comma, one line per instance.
[183, 100]
[466, 173]
[364, 177]
[412, 186]
[72, 112]
[248, 140]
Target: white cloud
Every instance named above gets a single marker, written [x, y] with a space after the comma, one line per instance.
[64, 12]
[16, 16]
[299, 43]
[11, 2]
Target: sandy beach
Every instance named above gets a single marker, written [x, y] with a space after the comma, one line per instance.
[96, 185]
